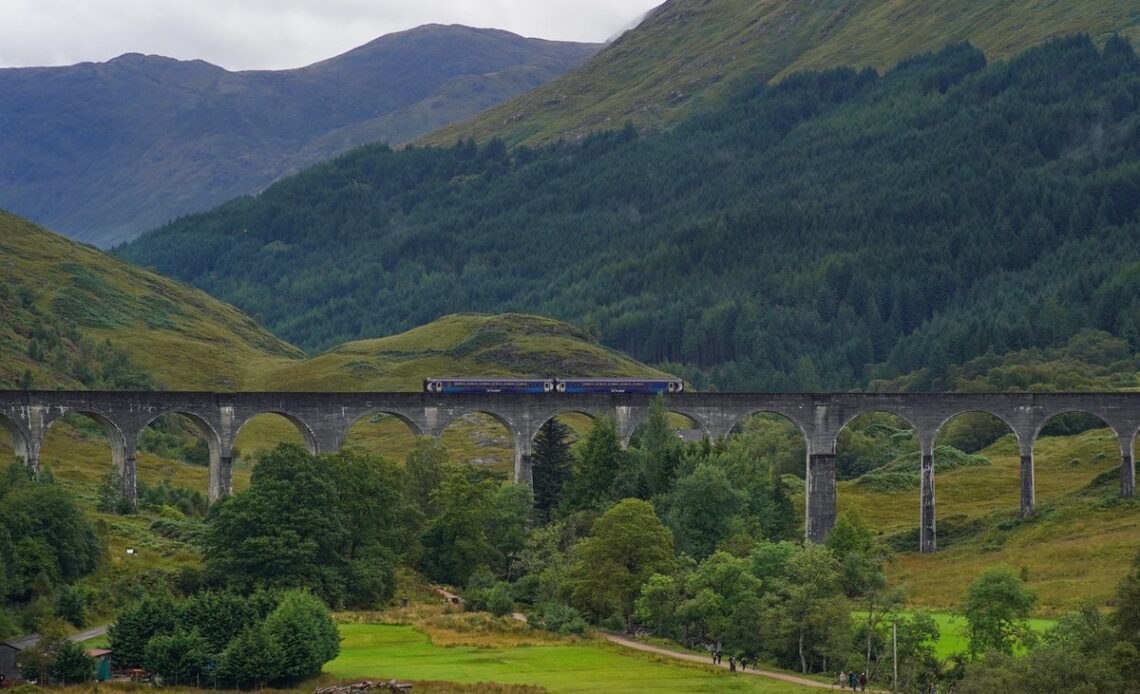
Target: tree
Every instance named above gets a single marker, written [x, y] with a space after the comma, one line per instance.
[996, 608]
[626, 546]
[552, 467]
[702, 509]
[179, 657]
[306, 634]
[808, 607]
[150, 616]
[70, 663]
[252, 658]
[662, 448]
[285, 531]
[456, 540]
[508, 524]
[599, 459]
[426, 466]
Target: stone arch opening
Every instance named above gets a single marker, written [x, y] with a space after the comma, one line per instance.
[879, 472]
[261, 433]
[1075, 454]
[389, 434]
[484, 440]
[777, 438]
[76, 448]
[178, 454]
[976, 460]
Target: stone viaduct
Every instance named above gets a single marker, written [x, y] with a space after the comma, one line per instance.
[324, 420]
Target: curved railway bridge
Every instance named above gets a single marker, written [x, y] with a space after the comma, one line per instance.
[324, 420]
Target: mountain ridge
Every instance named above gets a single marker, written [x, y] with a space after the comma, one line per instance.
[103, 151]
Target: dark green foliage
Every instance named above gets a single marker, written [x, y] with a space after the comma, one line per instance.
[179, 657]
[70, 663]
[136, 625]
[303, 628]
[316, 523]
[71, 606]
[552, 463]
[997, 605]
[820, 233]
[251, 659]
[45, 540]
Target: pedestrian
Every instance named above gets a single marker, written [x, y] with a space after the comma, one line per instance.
[719, 656]
[712, 652]
[743, 664]
[863, 682]
[732, 663]
[842, 679]
[853, 679]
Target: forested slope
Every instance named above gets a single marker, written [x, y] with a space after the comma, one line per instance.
[687, 55]
[819, 233]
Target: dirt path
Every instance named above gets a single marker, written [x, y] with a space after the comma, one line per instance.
[89, 634]
[707, 660]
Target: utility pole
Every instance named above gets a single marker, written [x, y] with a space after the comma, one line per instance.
[895, 656]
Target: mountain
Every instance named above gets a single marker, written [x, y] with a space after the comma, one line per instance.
[104, 151]
[687, 55]
[823, 232]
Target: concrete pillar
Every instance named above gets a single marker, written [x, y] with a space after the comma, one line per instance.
[221, 477]
[125, 453]
[626, 421]
[820, 490]
[1028, 484]
[1127, 468]
[928, 537]
[524, 471]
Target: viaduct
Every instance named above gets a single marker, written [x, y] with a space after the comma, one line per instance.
[324, 420]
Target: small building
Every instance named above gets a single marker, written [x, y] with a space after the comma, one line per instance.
[8, 652]
[102, 658]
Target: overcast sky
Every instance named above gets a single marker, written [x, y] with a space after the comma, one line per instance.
[274, 34]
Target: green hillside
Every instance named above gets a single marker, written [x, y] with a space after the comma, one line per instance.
[62, 301]
[688, 55]
[834, 229]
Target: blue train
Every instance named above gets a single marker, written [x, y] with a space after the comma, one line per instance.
[648, 386]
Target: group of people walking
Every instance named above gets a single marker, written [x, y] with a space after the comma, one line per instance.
[854, 679]
[717, 655]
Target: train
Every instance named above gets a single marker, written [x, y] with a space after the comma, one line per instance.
[644, 386]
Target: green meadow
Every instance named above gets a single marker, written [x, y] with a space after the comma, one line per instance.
[382, 651]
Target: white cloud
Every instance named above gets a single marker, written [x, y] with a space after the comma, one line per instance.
[274, 34]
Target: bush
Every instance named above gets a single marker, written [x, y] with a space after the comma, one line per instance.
[306, 633]
[499, 601]
[560, 619]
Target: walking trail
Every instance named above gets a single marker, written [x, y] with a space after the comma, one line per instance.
[706, 660]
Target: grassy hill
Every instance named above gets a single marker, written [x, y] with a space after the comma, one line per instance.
[104, 151]
[62, 301]
[687, 54]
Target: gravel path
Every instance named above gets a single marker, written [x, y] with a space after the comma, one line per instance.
[707, 660]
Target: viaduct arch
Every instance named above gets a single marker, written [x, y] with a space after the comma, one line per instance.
[325, 418]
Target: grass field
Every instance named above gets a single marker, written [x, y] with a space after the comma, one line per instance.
[371, 650]
[953, 631]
